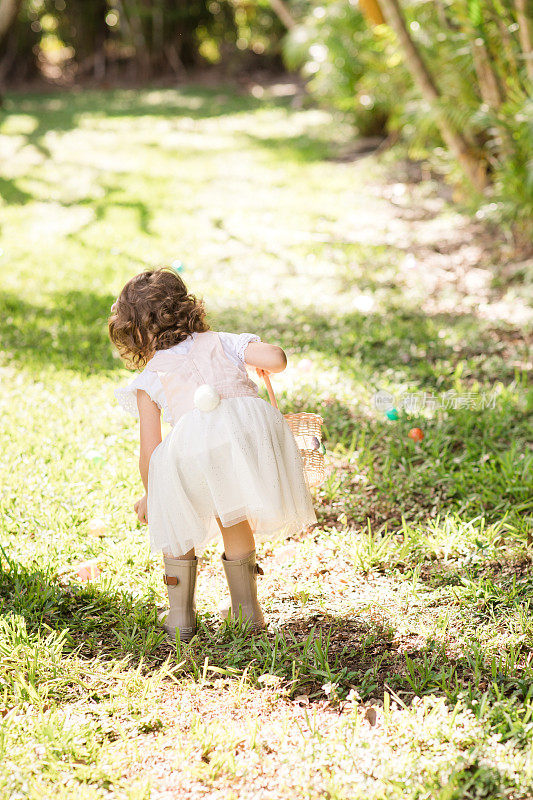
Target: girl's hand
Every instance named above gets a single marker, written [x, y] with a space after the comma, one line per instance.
[262, 372]
[140, 510]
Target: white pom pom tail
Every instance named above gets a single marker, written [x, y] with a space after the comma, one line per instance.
[206, 397]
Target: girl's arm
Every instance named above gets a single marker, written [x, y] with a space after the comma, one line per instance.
[150, 431]
[267, 357]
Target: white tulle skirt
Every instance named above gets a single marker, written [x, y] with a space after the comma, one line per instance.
[238, 462]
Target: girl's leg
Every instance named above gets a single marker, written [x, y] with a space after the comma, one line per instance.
[241, 571]
[238, 540]
[186, 556]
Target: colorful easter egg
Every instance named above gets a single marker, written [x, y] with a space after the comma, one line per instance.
[96, 527]
[87, 571]
[416, 434]
[391, 414]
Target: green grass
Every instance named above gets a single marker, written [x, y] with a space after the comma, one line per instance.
[397, 663]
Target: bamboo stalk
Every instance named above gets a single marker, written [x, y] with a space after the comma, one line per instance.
[9, 10]
[283, 13]
[508, 52]
[488, 84]
[372, 12]
[502, 54]
[523, 15]
[134, 21]
[471, 165]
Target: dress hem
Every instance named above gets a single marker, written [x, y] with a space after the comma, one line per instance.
[260, 535]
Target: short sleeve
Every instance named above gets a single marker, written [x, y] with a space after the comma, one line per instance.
[235, 344]
[148, 382]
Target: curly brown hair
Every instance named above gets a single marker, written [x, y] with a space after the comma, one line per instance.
[153, 312]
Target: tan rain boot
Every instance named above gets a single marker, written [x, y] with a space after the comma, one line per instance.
[241, 576]
[180, 579]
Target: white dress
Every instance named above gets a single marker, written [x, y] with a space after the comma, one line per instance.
[238, 462]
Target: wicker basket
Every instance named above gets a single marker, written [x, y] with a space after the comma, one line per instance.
[307, 430]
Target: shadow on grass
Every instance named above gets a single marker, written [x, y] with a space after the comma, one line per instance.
[69, 329]
[100, 621]
[373, 659]
[64, 111]
[400, 343]
[12, 194]
[491, 586]
[471, 463]
[306, 653]
[312, 656]
[66, 330]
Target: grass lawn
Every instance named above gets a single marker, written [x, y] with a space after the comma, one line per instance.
[398, 659]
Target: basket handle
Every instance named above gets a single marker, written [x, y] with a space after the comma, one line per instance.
[270, 390]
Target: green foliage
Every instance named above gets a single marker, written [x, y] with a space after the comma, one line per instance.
[513, 173]
[349, 66]
[104, 37]
[472, 49]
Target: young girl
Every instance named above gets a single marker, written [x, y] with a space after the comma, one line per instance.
[230, 458]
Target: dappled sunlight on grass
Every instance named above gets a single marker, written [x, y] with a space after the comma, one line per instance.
[397, 657]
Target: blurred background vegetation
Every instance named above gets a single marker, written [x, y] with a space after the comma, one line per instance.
[449, 82]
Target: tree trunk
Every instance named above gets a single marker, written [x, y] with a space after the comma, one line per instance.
[283, 13]
[133, 19]
[488, 83]
[523, 15]
[371, 11]
[9, 10]
[472, 167]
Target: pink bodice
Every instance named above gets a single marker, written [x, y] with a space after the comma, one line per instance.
[205, 365]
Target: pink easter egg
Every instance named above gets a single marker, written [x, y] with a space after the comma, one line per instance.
[87, 570]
